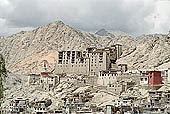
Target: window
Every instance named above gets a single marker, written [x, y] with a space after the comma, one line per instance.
[60, 62]
[100, 61]
[72, 60]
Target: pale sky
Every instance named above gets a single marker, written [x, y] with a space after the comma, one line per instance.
[135, 17]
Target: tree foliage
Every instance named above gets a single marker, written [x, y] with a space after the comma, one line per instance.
[3, 74]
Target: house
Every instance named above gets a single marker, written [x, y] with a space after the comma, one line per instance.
[122, 67]
[119, 86]
[106, 77]
[40, 107]
[143, 80]
[18, 105]
[123, 101]
[33, 79]
[154, 78]
[158, 99]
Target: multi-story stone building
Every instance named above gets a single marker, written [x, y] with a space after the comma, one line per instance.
[88, 62]
[48, 81]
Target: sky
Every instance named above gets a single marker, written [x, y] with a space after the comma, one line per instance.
[135, 17]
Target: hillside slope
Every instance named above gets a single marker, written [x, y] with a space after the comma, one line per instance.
[151, 51]
[26, 50]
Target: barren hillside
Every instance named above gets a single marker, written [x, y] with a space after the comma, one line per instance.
[26, 50]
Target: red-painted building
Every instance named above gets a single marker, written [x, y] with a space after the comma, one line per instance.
[154, 78]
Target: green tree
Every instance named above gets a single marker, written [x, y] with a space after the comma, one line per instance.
[3, 74]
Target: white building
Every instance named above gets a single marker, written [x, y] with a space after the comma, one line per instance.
[123, 102]
[169, 75]
[40, 107]
[106, 77]
[143, 80]
[18, 105]
[48, 81]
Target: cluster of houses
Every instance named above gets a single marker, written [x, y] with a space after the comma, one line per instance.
[138, 91]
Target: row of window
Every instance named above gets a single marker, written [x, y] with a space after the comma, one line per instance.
[97, 54]
[72, 65]
[110, 85]
[108, 74]
[72, 61]
[143, 79]
[95, 65]
[66, 62]
[39, 108]
[73, 56]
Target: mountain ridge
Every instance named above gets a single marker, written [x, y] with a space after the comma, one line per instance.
[26, 50]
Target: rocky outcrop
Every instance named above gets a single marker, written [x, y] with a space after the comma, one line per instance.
[151, 51]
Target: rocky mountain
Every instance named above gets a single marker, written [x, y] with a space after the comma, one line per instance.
[151, 51]
[111, 33]
[26, 50]
[102, 32]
